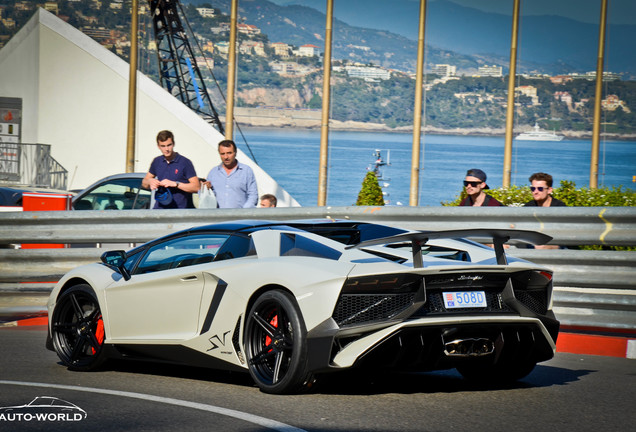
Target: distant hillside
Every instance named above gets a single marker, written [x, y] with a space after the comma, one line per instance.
[548, 44]
[299, 25]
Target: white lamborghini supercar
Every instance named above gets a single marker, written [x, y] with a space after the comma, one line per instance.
[289, 301]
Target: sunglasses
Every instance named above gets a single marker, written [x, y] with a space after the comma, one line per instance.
[472, 183]
[532, 188]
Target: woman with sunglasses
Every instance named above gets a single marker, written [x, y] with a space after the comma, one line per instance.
[542, 192]
[475, 184]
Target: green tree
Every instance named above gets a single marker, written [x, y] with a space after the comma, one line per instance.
[371, 193]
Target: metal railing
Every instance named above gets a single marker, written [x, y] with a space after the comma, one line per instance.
[593, 288]
[31, 165]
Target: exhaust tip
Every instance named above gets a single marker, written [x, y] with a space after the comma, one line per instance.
[473, 347]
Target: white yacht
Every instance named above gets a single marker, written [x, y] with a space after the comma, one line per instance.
[537, 134]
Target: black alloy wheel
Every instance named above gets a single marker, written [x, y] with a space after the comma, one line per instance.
[275, 343]
[77, 329]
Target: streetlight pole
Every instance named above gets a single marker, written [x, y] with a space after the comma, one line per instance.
[598, 94]
[132, 91]
[417, 114]
[231, 74]
[324, 125]
[510, 109]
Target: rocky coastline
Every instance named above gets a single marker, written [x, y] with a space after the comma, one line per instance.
[273, 118]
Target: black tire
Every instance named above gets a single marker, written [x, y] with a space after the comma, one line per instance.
[77, 329]
[500, 373]
[276, 346]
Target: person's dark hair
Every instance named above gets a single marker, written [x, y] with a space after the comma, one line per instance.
[164, 135]
[540, 176]
[271, 198]
[228, 143]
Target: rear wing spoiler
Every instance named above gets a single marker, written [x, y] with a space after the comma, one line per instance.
[498, 236]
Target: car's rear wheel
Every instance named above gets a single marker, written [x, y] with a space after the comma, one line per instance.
[275, 343]
[77, 329]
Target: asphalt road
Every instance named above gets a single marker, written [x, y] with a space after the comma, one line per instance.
[569, 393]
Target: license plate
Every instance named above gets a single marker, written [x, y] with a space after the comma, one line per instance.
[464, 299]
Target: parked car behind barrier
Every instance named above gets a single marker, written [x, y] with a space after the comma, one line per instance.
[115, 192]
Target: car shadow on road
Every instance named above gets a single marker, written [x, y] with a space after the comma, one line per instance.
[447, 381]
[360, 383]
[179, 371]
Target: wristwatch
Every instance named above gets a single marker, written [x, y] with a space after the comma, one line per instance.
[177, 185]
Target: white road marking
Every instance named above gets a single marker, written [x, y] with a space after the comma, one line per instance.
[261, 421]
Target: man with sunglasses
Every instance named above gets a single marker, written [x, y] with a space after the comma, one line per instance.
[542, 192]
[475, 184]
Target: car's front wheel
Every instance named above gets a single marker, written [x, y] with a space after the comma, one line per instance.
[275, 343]
[77, 329]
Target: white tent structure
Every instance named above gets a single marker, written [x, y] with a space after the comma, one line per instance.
[74, 96]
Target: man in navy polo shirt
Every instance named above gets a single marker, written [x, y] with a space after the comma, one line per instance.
[172, 175]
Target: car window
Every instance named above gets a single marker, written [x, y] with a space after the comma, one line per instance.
[120, 194]
[235, 247]
[181, 252]
[131, 260]
[297, 245]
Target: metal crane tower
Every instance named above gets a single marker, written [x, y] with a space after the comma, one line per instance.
[178, 70]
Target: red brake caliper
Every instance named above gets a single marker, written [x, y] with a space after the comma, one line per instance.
[274, 323]
[99, 332]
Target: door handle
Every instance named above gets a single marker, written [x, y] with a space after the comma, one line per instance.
[189, 278]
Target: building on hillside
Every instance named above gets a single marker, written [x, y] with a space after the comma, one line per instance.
[23, 6]
[8, 23]
[208, 47]
[52, 7]
[368, 73]
[222, 47]
[591, 76]
[564, 96]
[248, 29]
[221, 28]
[282, 68]
[280, 49]
[308, 50]
[490, 71]
[530, 91]
[612, 102]
[104, 36]
[206, 12]
[444, 70]
[560, 79]
[251, 47]
[472, 98]
[204, 63]
[291, 69]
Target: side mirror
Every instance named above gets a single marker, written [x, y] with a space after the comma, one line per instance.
[116, 260]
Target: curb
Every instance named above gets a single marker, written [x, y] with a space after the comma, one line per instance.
[609, 346]
[38, 321]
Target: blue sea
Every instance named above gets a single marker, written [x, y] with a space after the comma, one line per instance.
[291, 157]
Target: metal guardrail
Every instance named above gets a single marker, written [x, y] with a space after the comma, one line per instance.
[593, 288]
[570, 226]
